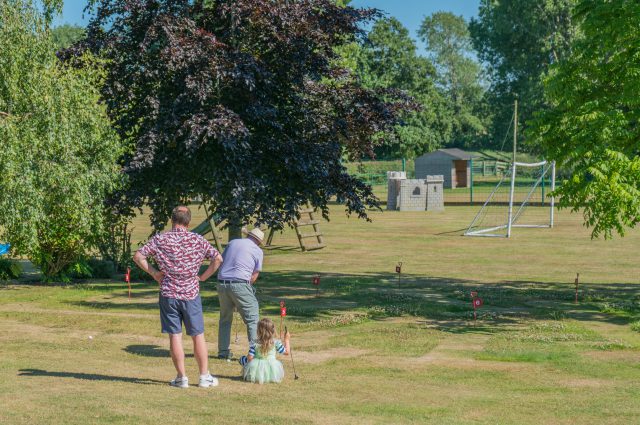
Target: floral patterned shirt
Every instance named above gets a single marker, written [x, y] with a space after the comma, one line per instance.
[179, 254]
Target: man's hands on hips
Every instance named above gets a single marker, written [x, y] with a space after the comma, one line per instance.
[213, 267]
[158, 276]
[142, 262]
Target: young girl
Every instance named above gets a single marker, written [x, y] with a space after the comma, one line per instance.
[260, 365]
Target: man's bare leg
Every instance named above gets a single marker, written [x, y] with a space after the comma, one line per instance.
[201, 353]
[177, 353]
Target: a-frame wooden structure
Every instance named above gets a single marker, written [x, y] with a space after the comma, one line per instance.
[210, 226]
[307, 229]
[312, 239]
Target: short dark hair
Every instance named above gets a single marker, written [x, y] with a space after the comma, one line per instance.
[181, 215]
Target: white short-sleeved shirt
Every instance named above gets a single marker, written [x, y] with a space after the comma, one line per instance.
[242, 258]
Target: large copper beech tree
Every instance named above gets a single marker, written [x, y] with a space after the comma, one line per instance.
[240, 102]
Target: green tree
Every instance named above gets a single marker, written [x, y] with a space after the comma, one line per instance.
[59, 155]
[518, 40]
[388, 59]
[449, 43]
[592, 125]
[65, 35]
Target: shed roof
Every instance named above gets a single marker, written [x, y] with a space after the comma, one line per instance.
[453, 152]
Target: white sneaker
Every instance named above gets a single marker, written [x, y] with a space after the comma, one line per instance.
[207, 381]
[180, 382]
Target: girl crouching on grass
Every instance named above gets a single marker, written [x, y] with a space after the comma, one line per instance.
[261, 365]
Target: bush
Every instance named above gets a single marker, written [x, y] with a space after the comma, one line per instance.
[114, 239]
[91, 268]
[9, 269]
[137, 274]
[78, 270]
[102, 269]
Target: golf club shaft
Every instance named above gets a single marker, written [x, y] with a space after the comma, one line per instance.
[291, 354]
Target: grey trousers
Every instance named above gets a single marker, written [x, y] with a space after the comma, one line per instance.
[243, 297]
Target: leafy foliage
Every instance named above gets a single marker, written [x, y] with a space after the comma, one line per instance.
[592, 124]
[447, 39]
[91, 268]
[66, 35]
[9, 269]
[519, 40]
[388, 59]
[238, 102]
[114, 236]
[58, 156]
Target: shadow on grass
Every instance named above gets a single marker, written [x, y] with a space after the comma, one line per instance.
[237, 377]
[106, 305]
[284, 248]
[149, 351]
[459, 232]
[209, 303]
[89, 377]
[158, 352]
[443, 302]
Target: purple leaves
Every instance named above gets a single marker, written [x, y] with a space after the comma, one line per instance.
[239, 102]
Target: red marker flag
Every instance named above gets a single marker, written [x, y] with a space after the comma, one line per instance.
[127, 278]
[316, 280]
[477, 302]
[283, 311]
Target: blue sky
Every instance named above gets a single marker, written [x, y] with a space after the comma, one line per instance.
[409, 12]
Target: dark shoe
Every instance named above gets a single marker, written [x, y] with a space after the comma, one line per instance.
[227, 356]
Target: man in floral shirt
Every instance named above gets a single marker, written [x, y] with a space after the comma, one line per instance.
[179, 254]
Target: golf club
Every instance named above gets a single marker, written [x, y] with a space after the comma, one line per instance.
[235, 310]
[291, 354]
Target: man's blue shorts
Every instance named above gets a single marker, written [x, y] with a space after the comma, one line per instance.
[173, 312]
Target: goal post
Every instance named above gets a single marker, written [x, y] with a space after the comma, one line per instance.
[510, 201]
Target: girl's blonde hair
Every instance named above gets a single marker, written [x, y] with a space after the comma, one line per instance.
[266, 331]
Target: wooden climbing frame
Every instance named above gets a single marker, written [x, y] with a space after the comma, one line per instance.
[209, 225]
[307, 219]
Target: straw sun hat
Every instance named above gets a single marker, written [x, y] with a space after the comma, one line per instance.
[257, 234]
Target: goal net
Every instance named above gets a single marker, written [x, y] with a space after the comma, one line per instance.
[520, 199]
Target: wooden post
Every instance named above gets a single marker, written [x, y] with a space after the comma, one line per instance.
[214, 232]
[270, 238]
[471, 181]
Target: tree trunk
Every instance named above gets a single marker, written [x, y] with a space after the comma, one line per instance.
[235, 231]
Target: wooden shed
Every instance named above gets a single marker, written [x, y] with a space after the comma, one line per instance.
[454, 164]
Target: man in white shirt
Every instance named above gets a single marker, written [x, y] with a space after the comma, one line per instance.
[240, 269]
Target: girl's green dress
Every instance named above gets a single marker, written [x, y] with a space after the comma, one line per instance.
[264, 368]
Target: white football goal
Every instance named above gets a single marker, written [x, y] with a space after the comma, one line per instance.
[520, 199]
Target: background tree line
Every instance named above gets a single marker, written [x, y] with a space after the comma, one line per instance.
[467, 78]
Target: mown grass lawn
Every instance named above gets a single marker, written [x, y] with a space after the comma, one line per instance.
[368, 349]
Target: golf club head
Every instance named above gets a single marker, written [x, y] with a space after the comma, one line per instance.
[296, 377]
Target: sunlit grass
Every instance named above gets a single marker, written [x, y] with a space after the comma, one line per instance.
[368, 347]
